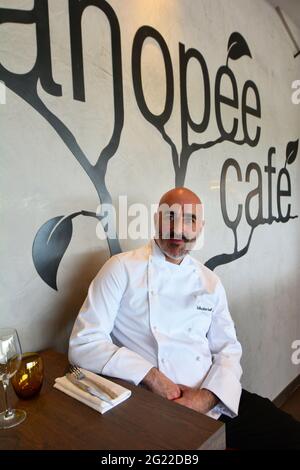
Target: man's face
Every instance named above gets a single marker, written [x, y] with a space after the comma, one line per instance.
[177, 228]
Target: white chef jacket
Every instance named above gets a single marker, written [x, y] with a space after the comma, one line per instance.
[143, 311]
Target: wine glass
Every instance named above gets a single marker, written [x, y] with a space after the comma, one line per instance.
[10, 360]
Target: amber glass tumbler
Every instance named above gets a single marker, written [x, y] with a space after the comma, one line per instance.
[28, 380]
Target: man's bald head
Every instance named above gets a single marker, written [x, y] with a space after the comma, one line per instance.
[179, 196]
[178, 223]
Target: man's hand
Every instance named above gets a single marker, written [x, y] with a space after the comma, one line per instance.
[201, 400]
[158, 383]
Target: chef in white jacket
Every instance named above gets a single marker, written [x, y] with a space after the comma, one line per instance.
[157, 307]
[157, 316]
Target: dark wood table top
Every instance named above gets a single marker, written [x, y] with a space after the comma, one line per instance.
[144, 421]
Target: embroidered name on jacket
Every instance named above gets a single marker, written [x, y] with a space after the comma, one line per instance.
[204, 309]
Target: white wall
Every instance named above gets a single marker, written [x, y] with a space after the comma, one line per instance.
[41, 179]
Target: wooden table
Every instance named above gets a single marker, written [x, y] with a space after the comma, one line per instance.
[144, 421]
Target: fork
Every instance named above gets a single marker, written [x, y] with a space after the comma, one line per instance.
[79, 375]
[77, 372]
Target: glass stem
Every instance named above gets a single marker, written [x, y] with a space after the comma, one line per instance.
[8, 411]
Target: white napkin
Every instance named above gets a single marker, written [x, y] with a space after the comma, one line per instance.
[63, 384]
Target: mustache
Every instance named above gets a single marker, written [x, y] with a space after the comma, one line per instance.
[176, 236]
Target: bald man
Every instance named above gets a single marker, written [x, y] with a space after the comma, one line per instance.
[156, 316]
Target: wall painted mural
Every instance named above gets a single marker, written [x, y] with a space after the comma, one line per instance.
[112, 99]
[53, 238]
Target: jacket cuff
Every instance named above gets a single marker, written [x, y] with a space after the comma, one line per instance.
[224, 384]
[127, 365]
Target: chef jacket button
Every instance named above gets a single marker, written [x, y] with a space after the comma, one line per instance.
[189, 330]
[198, 358]
[162, 360]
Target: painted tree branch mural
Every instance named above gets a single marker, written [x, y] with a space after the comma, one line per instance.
[237, 47]
[54, 236]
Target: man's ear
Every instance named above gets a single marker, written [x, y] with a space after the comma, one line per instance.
[156, 224]
[202, 223]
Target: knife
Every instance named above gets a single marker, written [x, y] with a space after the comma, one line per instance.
[88, 389]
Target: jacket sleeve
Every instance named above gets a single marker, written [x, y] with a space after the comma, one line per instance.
[223, 378]
[90, 345]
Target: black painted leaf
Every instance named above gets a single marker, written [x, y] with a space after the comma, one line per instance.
[49, 246]
[291, 151]
[237, 47]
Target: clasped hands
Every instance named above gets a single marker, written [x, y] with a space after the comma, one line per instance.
[200, 400]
